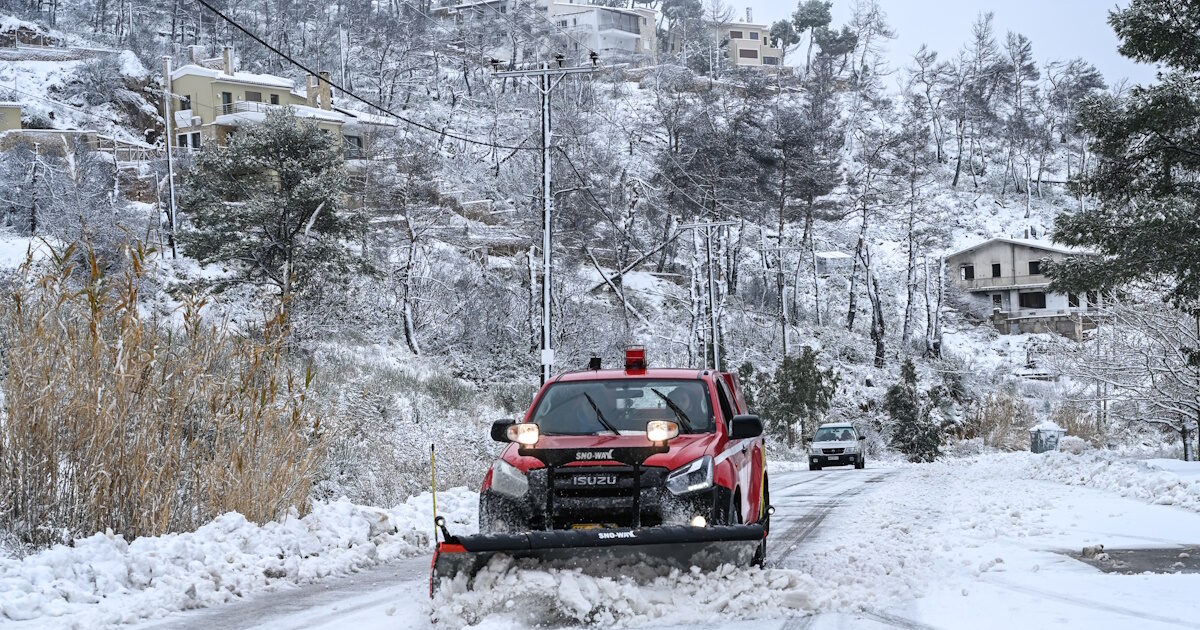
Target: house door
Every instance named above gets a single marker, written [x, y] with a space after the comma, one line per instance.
[226, 102]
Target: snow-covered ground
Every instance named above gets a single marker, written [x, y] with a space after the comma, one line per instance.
[980, 542]
[105, 580]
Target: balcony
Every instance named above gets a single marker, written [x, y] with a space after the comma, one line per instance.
[609, 20]
[1003, 282]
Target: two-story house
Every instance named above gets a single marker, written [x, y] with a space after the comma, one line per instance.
[750, 44]
[607, 29]
[1003, 280]
[210, 103]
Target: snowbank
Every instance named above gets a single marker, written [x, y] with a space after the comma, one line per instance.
[104, 579]
[1157, 482]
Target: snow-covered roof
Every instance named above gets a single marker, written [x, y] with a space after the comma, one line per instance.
[1047, 425]
[266, 80]
[363, 118]
[260, 115]
[833, 255]
[581, 8]
[1027, 242]
[9, 104]
[746, 25]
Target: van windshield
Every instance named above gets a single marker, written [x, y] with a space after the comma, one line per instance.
[623, 406]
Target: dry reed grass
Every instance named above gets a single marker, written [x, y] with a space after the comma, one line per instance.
[1001, 421]
[115, 419]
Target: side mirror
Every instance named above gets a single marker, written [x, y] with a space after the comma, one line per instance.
[500, 429]
[808, 440]
[745, 426]
[862, 437]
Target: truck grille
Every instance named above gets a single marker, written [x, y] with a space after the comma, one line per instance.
[601, 494]
[833, 451]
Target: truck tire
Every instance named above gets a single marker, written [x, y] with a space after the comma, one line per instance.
[812, 466]
[861, 463]
[760, 554]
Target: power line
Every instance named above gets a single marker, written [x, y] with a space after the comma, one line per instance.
[356, 97]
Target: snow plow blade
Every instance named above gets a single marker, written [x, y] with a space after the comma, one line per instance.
[675, 545]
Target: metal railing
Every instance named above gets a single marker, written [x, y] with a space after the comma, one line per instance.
[1002, 281]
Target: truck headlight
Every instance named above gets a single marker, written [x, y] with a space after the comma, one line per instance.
[524, 433]
[697, 475]
[508, 479]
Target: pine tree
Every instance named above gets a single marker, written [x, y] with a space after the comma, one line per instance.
[801, 393]
[269, 205]
[913, 432]
[1147, 222]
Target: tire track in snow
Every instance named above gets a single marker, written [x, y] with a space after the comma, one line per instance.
[1093, 604]
[808, 523]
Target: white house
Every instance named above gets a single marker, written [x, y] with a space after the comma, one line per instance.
[1003, 280]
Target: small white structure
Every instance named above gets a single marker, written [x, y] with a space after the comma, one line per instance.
[830, 263]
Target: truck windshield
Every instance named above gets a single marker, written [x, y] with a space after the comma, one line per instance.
[585, 408]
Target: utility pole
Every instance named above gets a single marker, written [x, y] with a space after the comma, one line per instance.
[33, 188]
[548, 77]
[167, 116]
[708, 226]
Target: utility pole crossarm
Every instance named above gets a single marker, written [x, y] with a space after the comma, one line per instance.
[541, 72]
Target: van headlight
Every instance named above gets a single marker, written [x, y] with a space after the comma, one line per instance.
[508, 479]
[697, 475]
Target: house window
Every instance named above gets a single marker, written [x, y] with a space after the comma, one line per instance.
[195, 139]
[1093, 299]
[770, 61]
[562, 23]
[254, 97]
[1073, 300]
[274, 99]
[1035, 267]
[735, 35]
[226, 102]
[997, 300]
[968, 272]
[185, 102]
[181, 140]
[1032, 299]
[748, 54]
[754, 35]
[995, 270]
[354, 146]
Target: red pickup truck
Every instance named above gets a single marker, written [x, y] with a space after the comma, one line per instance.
[668, 461]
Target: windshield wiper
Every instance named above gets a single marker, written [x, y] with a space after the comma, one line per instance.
[683, 419]
[600, 416]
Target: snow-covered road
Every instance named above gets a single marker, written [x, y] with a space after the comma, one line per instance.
[950, 545]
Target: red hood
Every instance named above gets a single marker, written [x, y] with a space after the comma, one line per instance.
[684, 448]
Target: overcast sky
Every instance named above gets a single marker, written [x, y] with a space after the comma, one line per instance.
[1059, 29]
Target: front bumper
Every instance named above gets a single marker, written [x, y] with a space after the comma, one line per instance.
[845, 459]
[609, 506]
